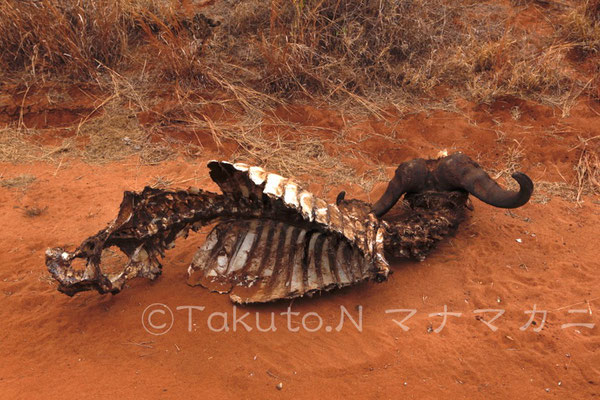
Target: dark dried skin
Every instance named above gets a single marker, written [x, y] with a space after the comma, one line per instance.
[414, 226]
[149, 222]
[425, 218]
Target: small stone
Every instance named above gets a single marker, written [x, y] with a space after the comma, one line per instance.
[279, 386]
[547, 389]
[519, 240]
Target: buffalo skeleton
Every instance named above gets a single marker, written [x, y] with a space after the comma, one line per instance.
[273, 240]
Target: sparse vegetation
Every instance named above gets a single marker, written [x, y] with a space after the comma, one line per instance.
[588, 167]
[582, 28]
[245, 58]
[325, 49]
[20, 181]
[34, 211]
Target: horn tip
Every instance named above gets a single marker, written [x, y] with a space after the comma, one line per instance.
[523, 180]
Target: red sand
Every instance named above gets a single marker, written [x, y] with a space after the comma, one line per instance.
[95, 346]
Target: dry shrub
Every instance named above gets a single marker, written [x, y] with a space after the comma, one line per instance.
[521, 73]
[44, 36]
[357, 46]
[390, 49]
[330, 47]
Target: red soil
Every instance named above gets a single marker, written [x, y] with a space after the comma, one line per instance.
[53, 346]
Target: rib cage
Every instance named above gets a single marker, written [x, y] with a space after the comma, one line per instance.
[265, 260]
[257, 188]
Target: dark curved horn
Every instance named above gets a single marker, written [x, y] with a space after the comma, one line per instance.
[340, 197]
[409, 177]
[487, 190]
[459, 171]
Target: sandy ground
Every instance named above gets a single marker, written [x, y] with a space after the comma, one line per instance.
[543, 255]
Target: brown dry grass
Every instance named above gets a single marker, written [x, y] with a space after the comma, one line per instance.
[117, 134]
[588, 167]
[324, 50]
[279, 148]
[581, 28]
[81, 39]
[586, 181]
[260, 54]
[19, 181]
[114, 135]
[34, 211]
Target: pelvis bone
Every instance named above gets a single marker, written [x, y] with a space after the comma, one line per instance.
[273, 240]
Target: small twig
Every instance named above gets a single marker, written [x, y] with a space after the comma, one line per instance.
[583, 141]
[21, 123]
[141, 344]
[85, 119]
[561, 175]
[581, 302]
[272, 375]
[59, 164]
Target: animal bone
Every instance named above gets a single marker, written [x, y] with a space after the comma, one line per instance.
[273, 239]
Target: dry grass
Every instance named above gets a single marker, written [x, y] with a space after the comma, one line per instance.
[325, 50]
[544, 191]
[114, 135]
[581, 28]
[18, 145]
[20, 181]
[34, 211]
[352, 51]
[80, 39]
[117, 134]
[587, 174]
[277, 147]
[262, 54]
[588, 167]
